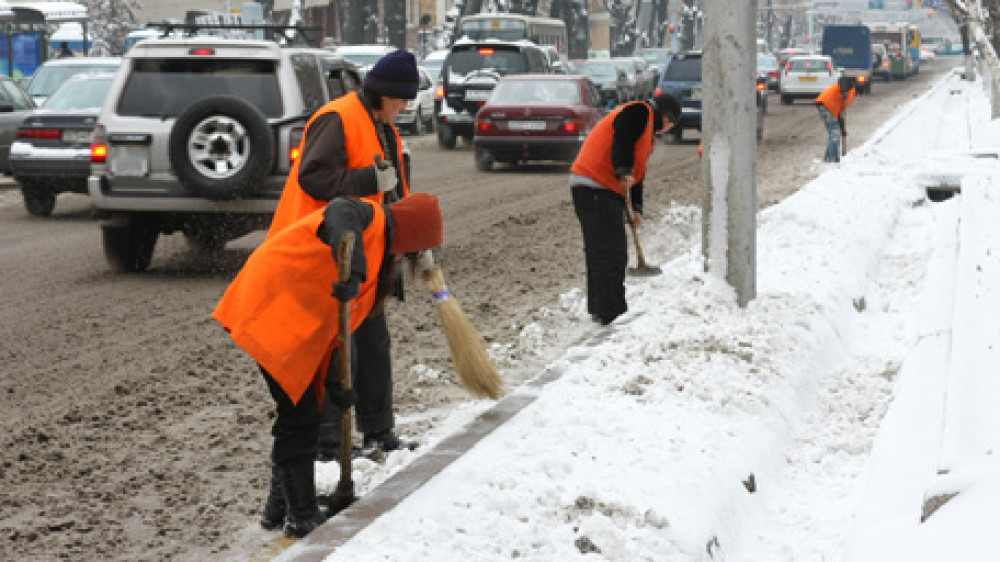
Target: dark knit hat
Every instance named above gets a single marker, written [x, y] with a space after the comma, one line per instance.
[394, 76]
[669, 107]
[846, 83]
[419, 224]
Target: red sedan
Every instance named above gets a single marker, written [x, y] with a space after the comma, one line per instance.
[536, 117]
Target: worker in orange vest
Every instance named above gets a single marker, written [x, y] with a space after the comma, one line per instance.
[832, 103]
[342, 146]
[612, 160]
[279, 309]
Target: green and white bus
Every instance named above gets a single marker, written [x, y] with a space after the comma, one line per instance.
[514, 27]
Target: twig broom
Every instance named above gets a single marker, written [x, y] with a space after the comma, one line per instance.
[476, 371]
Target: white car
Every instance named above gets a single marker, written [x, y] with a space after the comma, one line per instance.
[433, 63]
[418, 115]
[806, 76]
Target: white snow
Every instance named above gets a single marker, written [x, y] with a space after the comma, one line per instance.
[855, 393]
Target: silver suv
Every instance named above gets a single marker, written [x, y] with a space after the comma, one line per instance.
[197, 135]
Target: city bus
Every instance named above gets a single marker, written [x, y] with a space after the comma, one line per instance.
[514, 27]
[902, 42]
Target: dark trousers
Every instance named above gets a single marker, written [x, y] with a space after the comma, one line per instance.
[372, 382]
[605, 246]
[295, 427]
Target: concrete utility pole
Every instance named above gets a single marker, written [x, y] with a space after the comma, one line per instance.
[729, 164]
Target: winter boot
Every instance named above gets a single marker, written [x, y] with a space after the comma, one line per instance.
[386, 440]
[299, 484]
[272, 517]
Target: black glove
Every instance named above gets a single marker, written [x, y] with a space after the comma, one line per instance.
[345, 214]
[347, 290]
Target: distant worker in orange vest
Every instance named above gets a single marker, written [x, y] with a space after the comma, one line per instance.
[612, 160]
[280, 310]
[832, 103]
[341, 144]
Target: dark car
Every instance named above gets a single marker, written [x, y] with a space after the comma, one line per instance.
[468, 75]
[539, 117]
[609, 78]
[681, 77]
[51, 154]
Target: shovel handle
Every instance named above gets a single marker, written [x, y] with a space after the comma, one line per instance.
[345, 249]
[640, 260]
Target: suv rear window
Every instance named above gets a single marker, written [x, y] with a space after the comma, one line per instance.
[502, 61]
[166, 87]
[807, 65]
[684, 70]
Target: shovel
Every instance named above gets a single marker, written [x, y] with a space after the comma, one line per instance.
[641, 269]
[343, 495]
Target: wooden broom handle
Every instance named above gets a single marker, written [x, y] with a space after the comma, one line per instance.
[345, 248]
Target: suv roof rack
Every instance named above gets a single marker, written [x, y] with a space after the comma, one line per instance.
[277, 33]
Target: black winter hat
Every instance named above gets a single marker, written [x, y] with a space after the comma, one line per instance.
[394, 75]
[669, 107]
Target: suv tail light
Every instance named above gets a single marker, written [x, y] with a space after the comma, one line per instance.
[658, 91]
[829, 68]
[484, 125]
[294, 144]
[99, 145]
[439, 93]
[573, 125]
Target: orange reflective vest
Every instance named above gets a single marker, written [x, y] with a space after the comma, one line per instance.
[279, 309]
[361, 140]
[594, 160]
[833, 99]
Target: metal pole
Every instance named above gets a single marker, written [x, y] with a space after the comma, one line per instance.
[729, 164]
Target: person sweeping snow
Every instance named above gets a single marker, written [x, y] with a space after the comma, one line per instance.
[832, 104]
[279, 309]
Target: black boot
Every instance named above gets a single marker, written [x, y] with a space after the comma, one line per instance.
[386, 440]
[299, 484]
[272, 517]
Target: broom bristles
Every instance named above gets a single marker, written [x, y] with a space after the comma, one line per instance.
[476, 371]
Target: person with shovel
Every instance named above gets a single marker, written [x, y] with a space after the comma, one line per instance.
[832, 104]
[280, 310]
[606, 181]
[351, 147]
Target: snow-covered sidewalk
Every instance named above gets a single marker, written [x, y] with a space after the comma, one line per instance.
[815, 424]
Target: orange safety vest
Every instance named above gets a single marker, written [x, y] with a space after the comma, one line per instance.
[833, 99]
[594, 160]
[362, 144]
[280, 310]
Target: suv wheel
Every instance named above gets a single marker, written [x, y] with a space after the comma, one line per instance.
[446, 138]
[38, 200]
[129, 248]
[221, 147]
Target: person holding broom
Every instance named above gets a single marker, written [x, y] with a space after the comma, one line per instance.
[343, 145]
[280, 310]
[832, 103]
[610, 168]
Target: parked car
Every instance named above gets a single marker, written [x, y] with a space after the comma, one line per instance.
[469, 74]
[681, 77]
[197, 136]
[536, 117]
[807, 76]
[51, 153]
[364, 55]
[768, 69]
[784, 54]
[418, 114]
[54, 72]
[610, 79]
[15, 105]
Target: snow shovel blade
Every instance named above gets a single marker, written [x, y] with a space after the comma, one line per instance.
[340, 499]
[645, 270]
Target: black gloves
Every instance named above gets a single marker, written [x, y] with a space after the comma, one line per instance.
[342, 215]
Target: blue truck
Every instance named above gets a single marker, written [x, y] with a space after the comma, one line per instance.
[850, 47]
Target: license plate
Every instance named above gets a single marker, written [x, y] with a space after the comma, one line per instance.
[477, 95]
[129, 160]
[76, 137]
[807, 78]
[696, 94]
[526, 125]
